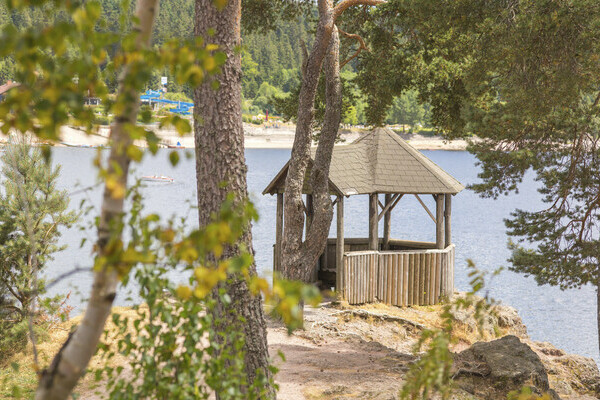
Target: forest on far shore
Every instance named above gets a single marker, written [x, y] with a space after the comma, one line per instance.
[270, 61]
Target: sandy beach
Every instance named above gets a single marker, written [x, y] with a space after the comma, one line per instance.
[256, 137]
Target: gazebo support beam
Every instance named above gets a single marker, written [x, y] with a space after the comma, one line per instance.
[278, 231]
[447, 219]
[310, 211]
[439, 223]
[389, 207]
[339, 248]
[373, 222]
[387, 219]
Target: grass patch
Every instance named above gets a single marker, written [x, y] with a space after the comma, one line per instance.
[21, 382]
[17, 383]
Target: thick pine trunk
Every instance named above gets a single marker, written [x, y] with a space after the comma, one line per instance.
[299, 258]
[316, 237]
[220, 158]
[70, 363]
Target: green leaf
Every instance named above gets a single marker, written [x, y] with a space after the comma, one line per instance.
[14, 366]
[174, 158]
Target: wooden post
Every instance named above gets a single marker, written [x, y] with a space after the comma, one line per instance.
[339, 247]
[310, 211]
[439, 221]
[387, 218]
[447, 219]
[278, 233]
[373, 222]
[324, 261]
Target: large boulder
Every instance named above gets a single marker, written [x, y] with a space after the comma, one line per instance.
[491, 370]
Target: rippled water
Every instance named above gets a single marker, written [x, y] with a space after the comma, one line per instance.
[565, 318]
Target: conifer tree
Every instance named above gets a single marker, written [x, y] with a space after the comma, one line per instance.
[32, 213]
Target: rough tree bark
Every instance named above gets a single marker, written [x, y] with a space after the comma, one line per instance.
[71, 361]
[220, 158]
[299, 257]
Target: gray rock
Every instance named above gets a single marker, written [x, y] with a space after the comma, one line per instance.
[491, 370]
[503, 320]
[508, 319]
[569, 374]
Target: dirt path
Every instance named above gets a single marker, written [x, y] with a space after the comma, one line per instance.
[329, 360]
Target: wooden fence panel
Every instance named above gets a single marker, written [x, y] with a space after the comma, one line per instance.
[399, 278]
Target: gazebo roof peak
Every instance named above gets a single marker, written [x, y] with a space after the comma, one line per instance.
[379, 162]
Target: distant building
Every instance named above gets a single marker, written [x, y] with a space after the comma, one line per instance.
[92, 101]
[6, 87]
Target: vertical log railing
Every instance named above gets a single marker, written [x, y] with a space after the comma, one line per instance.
[373, 222]
[278, 233]
[404, 278]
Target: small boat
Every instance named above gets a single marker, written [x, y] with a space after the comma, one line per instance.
[85, 146]
[175, 146]
[156, 178]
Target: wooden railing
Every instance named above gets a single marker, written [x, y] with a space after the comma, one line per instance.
[401, 278]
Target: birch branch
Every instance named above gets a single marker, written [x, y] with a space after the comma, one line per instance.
[69, 364]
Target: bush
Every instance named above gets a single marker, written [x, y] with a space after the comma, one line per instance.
[15, 338]
[176, 347]
[426, 131]
[178, 96]
[101, 120]
[249, 119]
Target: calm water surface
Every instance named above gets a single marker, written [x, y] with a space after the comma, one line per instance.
[565, 318]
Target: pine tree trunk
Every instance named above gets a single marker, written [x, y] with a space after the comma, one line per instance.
[299, 257]
[220, 158]
[69, 364]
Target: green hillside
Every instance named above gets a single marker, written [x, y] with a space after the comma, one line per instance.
[270, 60]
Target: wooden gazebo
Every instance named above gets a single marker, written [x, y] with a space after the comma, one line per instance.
[363, 270]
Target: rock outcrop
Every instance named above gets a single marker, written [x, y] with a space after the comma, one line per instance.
[571, 375]
[491, 370]
[503, 320]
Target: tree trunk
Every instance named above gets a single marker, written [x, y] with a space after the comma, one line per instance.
[70, 363]
[316, 237]
[298, 257]
[220, 158]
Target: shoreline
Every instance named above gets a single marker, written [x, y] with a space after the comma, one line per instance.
[255, 137]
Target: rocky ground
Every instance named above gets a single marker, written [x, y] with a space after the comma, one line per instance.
[364, 353]
[351, 352]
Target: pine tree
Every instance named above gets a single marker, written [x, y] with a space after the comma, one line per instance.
[32, 212]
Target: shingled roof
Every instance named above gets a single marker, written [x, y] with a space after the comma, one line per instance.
[379, 162]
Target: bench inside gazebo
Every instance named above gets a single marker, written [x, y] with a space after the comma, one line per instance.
[393, 271]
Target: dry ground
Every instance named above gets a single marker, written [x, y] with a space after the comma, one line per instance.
[343, 353]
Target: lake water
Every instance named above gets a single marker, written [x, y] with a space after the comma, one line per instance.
[565, 318]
